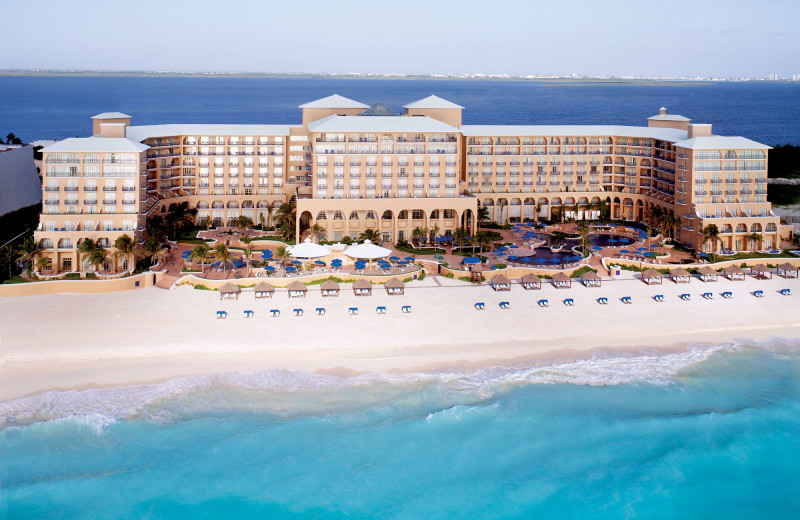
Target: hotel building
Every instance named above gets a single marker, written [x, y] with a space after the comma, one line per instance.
[352, 167]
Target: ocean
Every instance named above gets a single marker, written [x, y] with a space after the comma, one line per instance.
[707, 433]
[61, 107]
[713, 432]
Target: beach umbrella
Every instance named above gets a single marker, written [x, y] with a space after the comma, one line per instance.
[541, 260]
[653, 246]
[297, 262]
[650, 255]
[502, 248]
[394, 258]
[308, 249]
[612, 240]
[596, 248]
[625, 251]
[367, 251]
[401, 262]
[319, 262]
[514, 246]
[641, 249]
[269, 268]
[471, 260]
[409, 259]
[529, 234]
[512, 257]
[291, 269]
[266, 254]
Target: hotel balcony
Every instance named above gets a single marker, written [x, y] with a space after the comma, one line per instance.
[51, 188]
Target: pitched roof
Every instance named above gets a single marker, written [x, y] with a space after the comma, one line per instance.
[679, 272]
[297, 286]
[334, 101]
[362, 284]
[96, 144]
[140, 133]
[329, 285]
[394, 283]
[707, 271]
[263, 287]
[651, 273]
[337, 123]
[432, 102]
[500, 279]
[668, 117]
[531, 278]
[111, 115]
[717, 142]
[230, 288]
[379, 109]
[590, 275]
[560, 277]
[665, 134]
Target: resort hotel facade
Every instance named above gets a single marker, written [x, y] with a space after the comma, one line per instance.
[351, 167]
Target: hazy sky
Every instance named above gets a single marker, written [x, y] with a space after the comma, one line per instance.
[638, 37]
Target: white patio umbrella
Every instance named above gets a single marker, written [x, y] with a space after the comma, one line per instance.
[309, 249]
[367, 251]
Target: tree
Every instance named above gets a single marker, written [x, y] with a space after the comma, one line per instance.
[13, 139]
[711, 233]
[153, 251]
[583, 230]
[373, 235]
[157, 228]
[179, 217]
[262, 221]
[668, 222]
[44, 263]
[416, 235]
[207, 221]
[8, 255]
[86, 247]
[124, 247]
[483, 239]
[755, 240]
[270, 209]
[504, 204]
[223, 256]
[483, 215]
[435, 233]
[287, 212]
[98, 257]
[243, 222]
[460, 235]
[652, 215]
[316, 231]
[29, 250]
[286, 231]
[282, 255]
[201, 254]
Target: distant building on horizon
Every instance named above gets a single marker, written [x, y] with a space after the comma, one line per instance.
[350, 167]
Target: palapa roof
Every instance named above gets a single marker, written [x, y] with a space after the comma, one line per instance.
[707, 271]
[500, 279]
[560, 277]
[590, 275]
[362, 284]
[733, 269]
[679, 272]
[650, 273]
[788, 267]
[395, 283]
[329, 285]
[230, 288]
[531, 278]
[297, 286]
[760, 268]
[263, 287]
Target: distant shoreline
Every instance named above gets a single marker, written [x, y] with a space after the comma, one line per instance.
[551, 82]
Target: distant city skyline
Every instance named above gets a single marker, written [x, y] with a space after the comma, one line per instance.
[709, 39]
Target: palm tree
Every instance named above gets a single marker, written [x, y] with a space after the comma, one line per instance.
[316, 231]
[7, 256]
[483, 239]
[652, 215]
[153, 251]
[98, 257]
[157, 228]
[711, 233]
[287, 212]
[223, 255]
[583, 230]
[755, 239]
[200, 253]
[43, 263]
[669, 221]
[287, 231]
[179, 217]
[270, 209]
[416, 235]
[247, 251]
[483, 215]
[243, 222]
[282, 255]
[29, 250]
[373, 235]
[86, 247]
[460, 234]
[504, 204]
[207, 221]
[123, 246]
[435, 233]
[262, 221]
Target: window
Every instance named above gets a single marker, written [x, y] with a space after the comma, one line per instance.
[322, 216]
[387, 215]
[338, 215]
[416, 214]
[403, 215]
[370, 214]
[354, 215]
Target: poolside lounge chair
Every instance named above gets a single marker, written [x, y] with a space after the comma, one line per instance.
[320, 311]
[659, 298]
[504, 305]
[480, 306]
[708, 295]
[406, 309]
[248, 314]
[380, 310]
[221, 315]
[685, 297]
[544, 303]
[602, 301]
[758, 294]
[353, 311]
[274, 313]
[727, 294]
[297, 312]
[626, 299]
[786, 292]
[569, 302]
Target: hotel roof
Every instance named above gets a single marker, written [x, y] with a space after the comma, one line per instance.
[668, 117]
[111, 115]
[337, 123]
[717, 142]
[334, 101]
[140, 133]
[665, 134]
[96, 144]
[432, 102]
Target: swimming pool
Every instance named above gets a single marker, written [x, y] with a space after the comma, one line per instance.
[607, 239]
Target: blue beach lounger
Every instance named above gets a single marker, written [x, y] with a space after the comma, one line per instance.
[248, 314]
[685, 297]
[480, 306]
[221, 315]
[727, 294]
[274, 313]
[298, 312]
[569, 302]
[708, 296]
[659, 298]
[320, 311]
[504, 305]
[758, 294]
[786, 292]
[626, 299]
[602, 301]
[380, 310]
[544, 303]
[353, 311]
[406, 309]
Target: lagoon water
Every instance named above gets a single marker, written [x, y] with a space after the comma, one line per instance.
[708, 433]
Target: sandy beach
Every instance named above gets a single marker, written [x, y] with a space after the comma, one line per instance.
[79, 341]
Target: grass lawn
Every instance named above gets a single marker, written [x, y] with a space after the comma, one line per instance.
[16, 279]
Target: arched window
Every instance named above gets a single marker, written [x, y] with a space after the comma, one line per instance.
[417, 214]
[322, 216]
[370, 214]
[354, 215]
[338, 215]
[387, 215]
[403, 215]
[435, 214]
[730, 154]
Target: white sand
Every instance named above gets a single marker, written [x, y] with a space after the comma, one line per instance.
[76, 341]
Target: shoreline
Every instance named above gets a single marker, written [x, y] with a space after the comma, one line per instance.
[150, 335]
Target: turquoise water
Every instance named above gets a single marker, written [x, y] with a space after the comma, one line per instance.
[709, 433]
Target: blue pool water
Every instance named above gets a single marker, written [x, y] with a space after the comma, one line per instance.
[605, 240]
[708, 433]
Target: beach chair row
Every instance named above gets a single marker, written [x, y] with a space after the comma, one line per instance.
[319, 311]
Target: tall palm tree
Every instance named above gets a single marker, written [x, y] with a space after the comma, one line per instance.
[459, 235]
[270, 209]
[201, 254]
[124, 246]
[243, 222]
[207, 221]
[483, 215]
[282, 255]
[223, 255]
[316, 231]
[483, 239]
[669, 221]
[98, 257]
[179, 217]
[29, 250]
[373, 235]
[711, 233]
[755, 239]
[43, 263]
[652, 215]
[8, 256]
[157, 228]
[435, 232]
[287, 212]
[416, 235]
[504, 204]
[583, 230]
[286, 230]
[153, 251]
[86, 247]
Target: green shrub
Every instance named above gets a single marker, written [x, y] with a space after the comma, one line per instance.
[421, 275]
[202, 288]
[583, 270]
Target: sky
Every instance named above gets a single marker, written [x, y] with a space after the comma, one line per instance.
[710, 38]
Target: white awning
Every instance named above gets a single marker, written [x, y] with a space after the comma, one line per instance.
[367, 251]
[308, 249]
